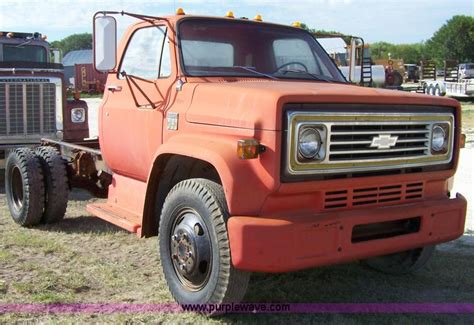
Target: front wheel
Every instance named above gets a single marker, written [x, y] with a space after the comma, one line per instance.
[401, 263]
[194, 246]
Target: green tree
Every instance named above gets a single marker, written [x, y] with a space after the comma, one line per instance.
[74, 42]
[454, 40]
[410, 53]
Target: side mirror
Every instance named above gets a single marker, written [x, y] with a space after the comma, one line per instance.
[105, 43]
[56, 55]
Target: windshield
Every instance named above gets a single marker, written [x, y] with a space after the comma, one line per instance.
[25, 53]
[213, 47]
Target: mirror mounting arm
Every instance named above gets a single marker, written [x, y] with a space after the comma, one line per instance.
[146, 18]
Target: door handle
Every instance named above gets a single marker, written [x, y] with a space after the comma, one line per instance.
[114, 88]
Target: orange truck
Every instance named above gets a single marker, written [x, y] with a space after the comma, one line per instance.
[240, 144]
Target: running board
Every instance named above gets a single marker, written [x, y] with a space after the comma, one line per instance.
[117, 216]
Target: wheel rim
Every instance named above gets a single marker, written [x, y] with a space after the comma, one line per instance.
[190, 248]
[16, 189]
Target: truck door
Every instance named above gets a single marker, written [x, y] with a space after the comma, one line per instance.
[137, 95]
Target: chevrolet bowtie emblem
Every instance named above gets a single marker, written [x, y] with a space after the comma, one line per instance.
[384, 141]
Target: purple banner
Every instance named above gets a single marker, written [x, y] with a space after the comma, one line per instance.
[108, 308]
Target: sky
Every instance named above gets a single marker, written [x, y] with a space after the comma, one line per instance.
[395, 21]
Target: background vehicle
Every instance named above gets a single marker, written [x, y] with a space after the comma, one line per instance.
[456, 81]
[355, 62]
[394, 71]
[242, 145]
[412, 72]
[353, 59]
[32, 94]
[465, 71]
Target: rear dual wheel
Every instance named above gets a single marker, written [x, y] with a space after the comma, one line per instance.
[194, 245]
[36, 186]
[56, 184]
[24, 187]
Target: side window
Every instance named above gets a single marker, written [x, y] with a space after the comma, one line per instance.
[165, 65]
[147, 55]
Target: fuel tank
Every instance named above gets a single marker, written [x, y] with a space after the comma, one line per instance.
[378, 74]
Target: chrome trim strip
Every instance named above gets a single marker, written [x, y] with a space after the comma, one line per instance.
[32, 70]
[25, 110]
[7, 107]
[41, 89]
[380, 132]
[377, 150]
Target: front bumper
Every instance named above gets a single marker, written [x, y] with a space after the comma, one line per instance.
[283, 244]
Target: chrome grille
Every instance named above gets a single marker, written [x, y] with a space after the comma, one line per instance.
[27, 108]
[350, 142]
[354, 142]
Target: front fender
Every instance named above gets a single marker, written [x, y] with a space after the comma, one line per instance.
[246, 183]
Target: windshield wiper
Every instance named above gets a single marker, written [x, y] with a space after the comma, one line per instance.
[313, 75]
[23, 44]
[254, 71]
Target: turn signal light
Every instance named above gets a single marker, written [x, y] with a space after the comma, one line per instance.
[76, 95]
[462, 141]
[296, 24]
[248, 149]
[229, 14]
[180, 11]
[258, 18]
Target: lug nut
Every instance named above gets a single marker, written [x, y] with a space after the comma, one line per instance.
[174, 238]
[182, 267]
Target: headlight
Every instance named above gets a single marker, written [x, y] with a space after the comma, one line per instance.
[439, 139]
[309, 143]
[78, 115]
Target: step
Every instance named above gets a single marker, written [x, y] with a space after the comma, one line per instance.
[115, 215]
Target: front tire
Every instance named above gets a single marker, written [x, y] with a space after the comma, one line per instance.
[401, 263]
[24, 187]
[194, 246]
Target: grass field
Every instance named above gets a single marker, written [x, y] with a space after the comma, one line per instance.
[86, 260]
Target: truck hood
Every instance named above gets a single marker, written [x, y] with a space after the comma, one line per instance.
[258, 105]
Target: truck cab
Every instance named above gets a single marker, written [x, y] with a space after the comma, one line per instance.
[244, 148]
[33, 100]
